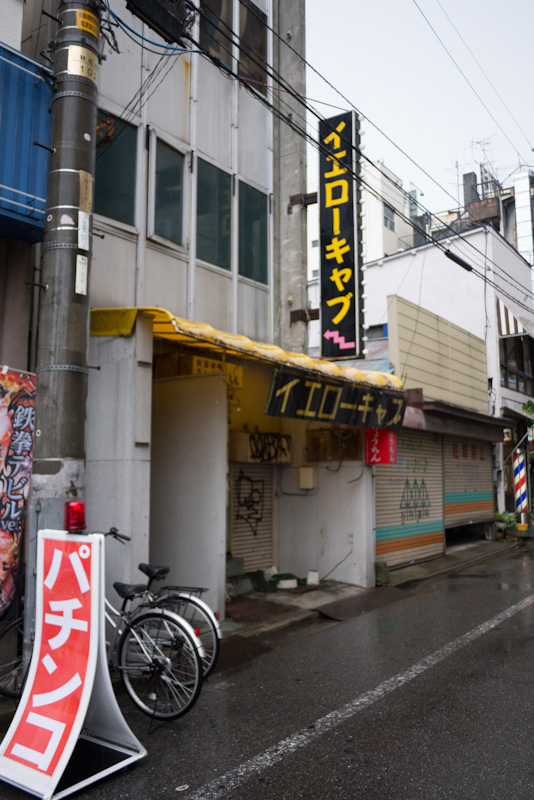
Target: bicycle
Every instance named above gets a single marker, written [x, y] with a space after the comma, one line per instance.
[186, 601]
[155, 652]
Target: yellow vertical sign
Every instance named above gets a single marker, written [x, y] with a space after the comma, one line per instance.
[87, 22]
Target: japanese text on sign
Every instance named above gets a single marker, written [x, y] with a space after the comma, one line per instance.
[58, 675]
[310, 399]
[380, 446]
[17, 424]
[340, 276]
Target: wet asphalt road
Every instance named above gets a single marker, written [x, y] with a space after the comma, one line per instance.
[429, 697]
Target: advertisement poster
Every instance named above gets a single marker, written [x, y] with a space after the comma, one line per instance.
[17, 424]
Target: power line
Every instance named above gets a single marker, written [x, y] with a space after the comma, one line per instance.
[486, 76]
[357, 110]
[317, 145]
[319, 116]
[464, 76]
[234, 40]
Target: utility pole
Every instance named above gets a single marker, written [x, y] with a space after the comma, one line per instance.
[59, 448]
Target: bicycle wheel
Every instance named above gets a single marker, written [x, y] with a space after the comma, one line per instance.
[11, 677]
[160, 666]
[193, 612]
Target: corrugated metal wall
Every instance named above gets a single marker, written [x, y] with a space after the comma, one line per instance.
[252, 524]
[24, 118]
[468, 481]
[409, 501]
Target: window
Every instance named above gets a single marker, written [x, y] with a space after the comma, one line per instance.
[116, 145]
[389, 217]
[253, 243]
[253, 38]
[377, 332]
[168, 204]
[214, 215]
[517, 363]
[216, 29]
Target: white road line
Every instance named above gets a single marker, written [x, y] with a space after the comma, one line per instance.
[225, 784]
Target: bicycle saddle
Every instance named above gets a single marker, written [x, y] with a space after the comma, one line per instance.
[152, 571]
[128, 590]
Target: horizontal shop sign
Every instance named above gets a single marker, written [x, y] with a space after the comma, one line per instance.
[311, 399]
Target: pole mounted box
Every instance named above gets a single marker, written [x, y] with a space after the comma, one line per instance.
[171, 19]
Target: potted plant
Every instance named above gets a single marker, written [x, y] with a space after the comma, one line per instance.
[505, 519]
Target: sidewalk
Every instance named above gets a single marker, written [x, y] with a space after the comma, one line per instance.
[259, 613]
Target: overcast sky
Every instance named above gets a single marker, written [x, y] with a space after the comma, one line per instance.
[386, 60]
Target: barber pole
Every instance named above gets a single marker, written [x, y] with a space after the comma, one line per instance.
[520, 483]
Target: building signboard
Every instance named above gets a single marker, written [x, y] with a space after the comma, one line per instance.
[17, 423]
[325, 401]
[380, 446]
[341, 307]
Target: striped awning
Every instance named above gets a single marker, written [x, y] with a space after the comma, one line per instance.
[509, 325]
[121, 322]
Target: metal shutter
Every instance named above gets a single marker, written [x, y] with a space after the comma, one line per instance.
[252, 527]
[409, 501]
[468, 481]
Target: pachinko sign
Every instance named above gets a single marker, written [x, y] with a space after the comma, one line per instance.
[46, 726]
[17, 424]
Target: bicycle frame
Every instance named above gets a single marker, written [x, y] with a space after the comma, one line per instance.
[118, 619]
[169, 592]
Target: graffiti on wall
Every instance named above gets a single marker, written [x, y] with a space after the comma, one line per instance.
[269, 447]
[17, 424]
[249, 500]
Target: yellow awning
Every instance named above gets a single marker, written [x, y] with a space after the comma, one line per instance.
[121, 321]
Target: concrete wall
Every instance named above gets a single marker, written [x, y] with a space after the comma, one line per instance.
[426, 277]
[189, 482]
[380, 240]
[331, 529]
[11, 22]
[118, 447]
[289, 240]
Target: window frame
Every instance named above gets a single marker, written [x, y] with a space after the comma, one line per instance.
[227, 43]
[153, 136]
[224, 270]
[257, 73]
[389, 221]
[128, 226]
[241, 276]
[513, 370]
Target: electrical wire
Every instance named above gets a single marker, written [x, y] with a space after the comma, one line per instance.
[464, 76]
[132, 109]
[486, 76]
[319, 116]
[354, 108]
[125, 27]
[304, 133]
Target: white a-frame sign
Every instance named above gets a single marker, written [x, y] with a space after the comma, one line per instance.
[68, 730]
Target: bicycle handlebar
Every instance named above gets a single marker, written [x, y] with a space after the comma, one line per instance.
[120, 537]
